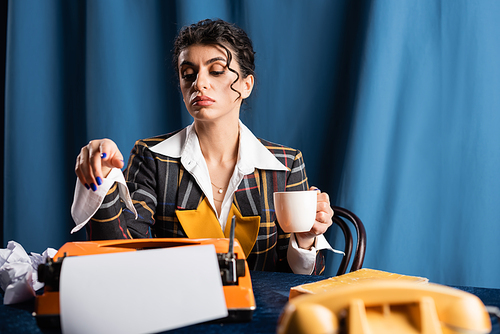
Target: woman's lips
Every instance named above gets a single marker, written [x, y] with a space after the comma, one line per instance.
[203, 101]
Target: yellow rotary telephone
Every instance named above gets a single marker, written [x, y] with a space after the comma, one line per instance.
[386, 306]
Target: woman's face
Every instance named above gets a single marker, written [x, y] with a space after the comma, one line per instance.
[205, 82]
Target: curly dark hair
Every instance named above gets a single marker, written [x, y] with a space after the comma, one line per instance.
[226, 35]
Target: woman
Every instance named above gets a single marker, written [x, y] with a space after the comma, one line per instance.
[191, 182]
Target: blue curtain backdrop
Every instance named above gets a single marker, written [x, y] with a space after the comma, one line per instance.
[394, 104]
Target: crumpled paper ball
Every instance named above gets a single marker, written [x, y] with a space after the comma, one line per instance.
[18, 272]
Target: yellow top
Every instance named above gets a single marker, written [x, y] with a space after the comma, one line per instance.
[202, 223]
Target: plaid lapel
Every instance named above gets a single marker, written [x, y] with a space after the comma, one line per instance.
[189, 195]
[247, 197]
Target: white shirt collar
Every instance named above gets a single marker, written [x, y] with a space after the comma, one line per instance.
[252, 154]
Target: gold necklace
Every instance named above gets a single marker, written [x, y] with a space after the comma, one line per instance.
[220, 190]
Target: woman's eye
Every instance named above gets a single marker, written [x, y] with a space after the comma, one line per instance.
[189, 76]
[216, 73]
[217, 69]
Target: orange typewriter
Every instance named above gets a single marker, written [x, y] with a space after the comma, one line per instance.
[234, 271]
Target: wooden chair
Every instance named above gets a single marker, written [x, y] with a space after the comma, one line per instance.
[341, 217]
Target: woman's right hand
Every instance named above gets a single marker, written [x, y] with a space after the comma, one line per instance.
[96, 160]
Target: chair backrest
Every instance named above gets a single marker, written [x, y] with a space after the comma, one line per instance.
[340, 217]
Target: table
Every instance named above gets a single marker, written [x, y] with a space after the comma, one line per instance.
[271, 295]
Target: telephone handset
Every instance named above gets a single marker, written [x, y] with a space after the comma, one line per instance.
[374, 307]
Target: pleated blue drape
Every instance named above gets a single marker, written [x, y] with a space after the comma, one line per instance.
[394, 105]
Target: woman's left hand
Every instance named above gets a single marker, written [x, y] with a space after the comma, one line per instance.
[324, 214]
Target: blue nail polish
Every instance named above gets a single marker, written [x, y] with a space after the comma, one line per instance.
[99, 180]
[103, 155]
[87, 186]
[93, 186]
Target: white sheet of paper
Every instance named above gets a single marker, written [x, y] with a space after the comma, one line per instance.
[141, 292]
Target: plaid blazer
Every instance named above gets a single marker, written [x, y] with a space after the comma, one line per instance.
[159, 185]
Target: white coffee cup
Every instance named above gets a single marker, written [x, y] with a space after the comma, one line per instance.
[296, 210]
